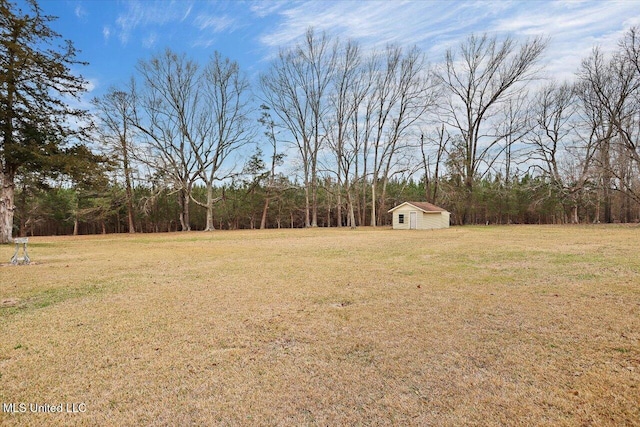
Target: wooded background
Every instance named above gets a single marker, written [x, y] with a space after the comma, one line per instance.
[330, 135]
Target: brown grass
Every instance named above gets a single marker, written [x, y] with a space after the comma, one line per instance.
[483, 326]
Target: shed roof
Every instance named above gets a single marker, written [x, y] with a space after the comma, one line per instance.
[423, 206]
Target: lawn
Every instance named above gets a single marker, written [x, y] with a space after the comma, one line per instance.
[486, 326]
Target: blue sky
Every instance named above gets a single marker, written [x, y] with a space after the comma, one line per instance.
[114, 34]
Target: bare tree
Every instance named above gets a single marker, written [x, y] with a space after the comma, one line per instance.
[553, 112]
[115, 110]
[193, 120]
[348, 91]
[630, 47]
[166, 116]
[222, 126]
[513, 125]
[440, 139]
[401, 93]
[629, 155]
[608, 90]
[477, 78]
[557, 146]
[296, 88]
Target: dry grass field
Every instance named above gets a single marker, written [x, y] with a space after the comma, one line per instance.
[485, 326]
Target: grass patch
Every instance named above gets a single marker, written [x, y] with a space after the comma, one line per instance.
[53, 296]
[518, 325]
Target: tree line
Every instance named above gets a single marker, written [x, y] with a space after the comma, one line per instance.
[330, 134]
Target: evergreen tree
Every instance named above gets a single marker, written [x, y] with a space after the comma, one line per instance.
[35, 75]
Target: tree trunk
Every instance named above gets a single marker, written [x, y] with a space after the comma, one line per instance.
[22, 230]
[184, 211]
[373, 204]
[6, 207]
[129, 192]
[363, 204]
[608, 207]
[436, 178]
[383, 205]
[265, 209]
[210, 201]
[328, 215]
[352, 216]
[606, 179]
[339, 207]
[468, 208]
[314, 204]
[307, 206]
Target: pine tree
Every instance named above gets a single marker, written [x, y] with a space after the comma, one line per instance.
[35, 78]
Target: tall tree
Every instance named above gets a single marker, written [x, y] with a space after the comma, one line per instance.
[401, 93]
[166, 114]
[276, 160]
[35, 76]
[630, 53]
[553, 111]
[348, 91]
[361, 128]
[477, 78]
[222, 124]
[440, 139]
[609, 90]
[193, 119]
[296, 88]
[115, 110]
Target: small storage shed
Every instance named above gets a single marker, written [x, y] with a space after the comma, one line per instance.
[419, 216]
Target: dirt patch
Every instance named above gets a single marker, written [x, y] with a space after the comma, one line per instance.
[9, 302]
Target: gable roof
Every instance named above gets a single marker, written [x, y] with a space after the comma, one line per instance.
[423, 206]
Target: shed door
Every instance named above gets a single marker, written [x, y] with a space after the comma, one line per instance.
[413, 219]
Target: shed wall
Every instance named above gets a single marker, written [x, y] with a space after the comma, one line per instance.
[424, 221]
[404, 211]
[446, 217]
[431, 220]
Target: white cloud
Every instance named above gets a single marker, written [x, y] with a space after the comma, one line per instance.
[150, 21]
[187, 13]
[128, 21]
[266, 8]
[106, 32]
[80, 12]
[141, 14]
[574, 27]
[203, 42]
[432, 25]
[217, 24]
[150, 40]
